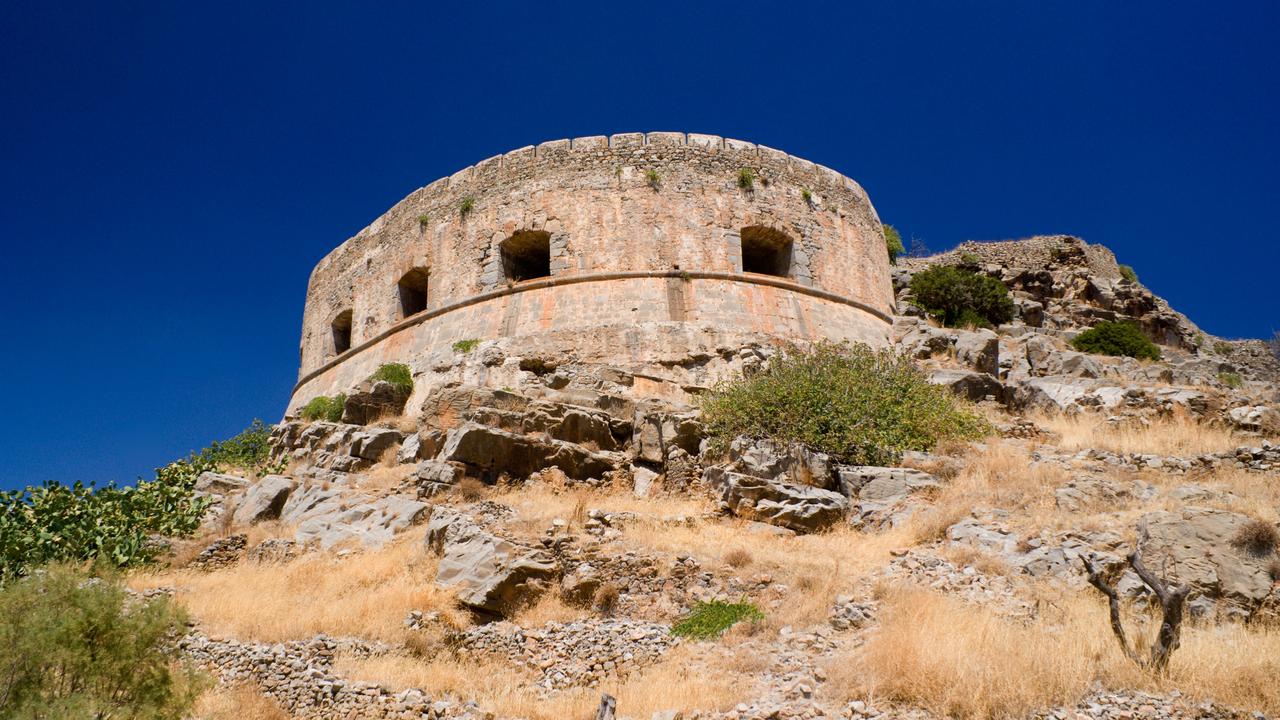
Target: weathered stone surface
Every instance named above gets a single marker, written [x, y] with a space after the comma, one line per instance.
[434, 477]
[969, 384]
[371, 444]
[498, 451]
[1195, 545]
[978, 349]
[493, 575]
[368, 521]
[801, 508]
[881, 496]
[373, 400]
[264, 500]
[791, 463]
[219, 483]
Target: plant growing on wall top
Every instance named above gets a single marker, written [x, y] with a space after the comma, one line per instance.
[1127, 272]
[466, 206]
[398, 374]
[747, 179]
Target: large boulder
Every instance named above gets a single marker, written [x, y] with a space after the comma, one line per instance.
[1198, 546]
[372, 400]
[372, 522]
[978, 349]
[219, 483]
[371, 444]
[770, 460]
[264, 500]
[801, 508]
[493, 576]
[883, 496]
[969, 384]
[495, 451]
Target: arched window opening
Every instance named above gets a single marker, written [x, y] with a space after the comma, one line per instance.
[342, 332]
[412, 289]
[766, 251]
[527, 255]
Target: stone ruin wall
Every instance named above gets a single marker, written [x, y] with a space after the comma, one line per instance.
[640, 276]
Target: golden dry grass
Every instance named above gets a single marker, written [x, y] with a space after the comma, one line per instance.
[680, 681]
[965, 661]
[816, 567]
[237, 702]
[1175, 434]
[1002, 476]
[366, 594]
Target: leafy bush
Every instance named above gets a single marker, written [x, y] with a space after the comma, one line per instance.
[424, 220]
[746, 178]
[466, 206]
[807, 196]
[1222, 347]
[652, 177]
[1127, 272]
[710, 619]
[77, 647]
[324, 407]
[893, 243]
[1120, 339]
[1230, 379]
[862, 406]
[52, 521]
[465, 346]
[398, 374]
[961, 297]
[249, 450]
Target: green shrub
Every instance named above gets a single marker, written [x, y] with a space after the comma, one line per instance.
[424, 220]
[862, 406]
[1120, 339]
[398, 374]
[893, 243]
[55, 522]
[1127, 272]
[710, 619]
[1230, 379]
[77, 647]
[323, 407]
[968, 259]
[465, 346]
[746, 178]
[961, 297]
[806, 196]
[466, 206]
[249, 450]
[652, 177]
[1222, 347]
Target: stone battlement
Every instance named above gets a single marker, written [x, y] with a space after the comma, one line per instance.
[625, 232]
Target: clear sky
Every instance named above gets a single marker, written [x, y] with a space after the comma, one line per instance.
[170, 171]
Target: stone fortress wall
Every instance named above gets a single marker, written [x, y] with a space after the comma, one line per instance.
[633, 250]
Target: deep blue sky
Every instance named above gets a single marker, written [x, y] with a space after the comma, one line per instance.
[170, 172]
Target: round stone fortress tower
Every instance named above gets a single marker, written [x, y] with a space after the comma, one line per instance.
[661, 255]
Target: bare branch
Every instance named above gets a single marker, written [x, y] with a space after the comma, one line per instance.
[1113, 602]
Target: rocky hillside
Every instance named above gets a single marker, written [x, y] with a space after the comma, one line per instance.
[519, 548]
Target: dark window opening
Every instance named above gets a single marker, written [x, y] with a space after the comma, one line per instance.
[342, 332]
[766, 251]
[413, 292]
[527, 255]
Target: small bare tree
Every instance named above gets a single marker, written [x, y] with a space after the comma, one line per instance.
[1274, 344]
[1171, 600]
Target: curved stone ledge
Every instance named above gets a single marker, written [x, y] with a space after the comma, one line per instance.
[551, 282]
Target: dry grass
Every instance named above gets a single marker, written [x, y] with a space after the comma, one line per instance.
[965, 661]
[1257, 537]
[816, 567]
[384, 476]
[237, 702]
[470, 489]
[737, 558]
[366, 594]
[1002, 476]
[550, 607]
[1175, 434]
[680, 681]
[538, 503]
